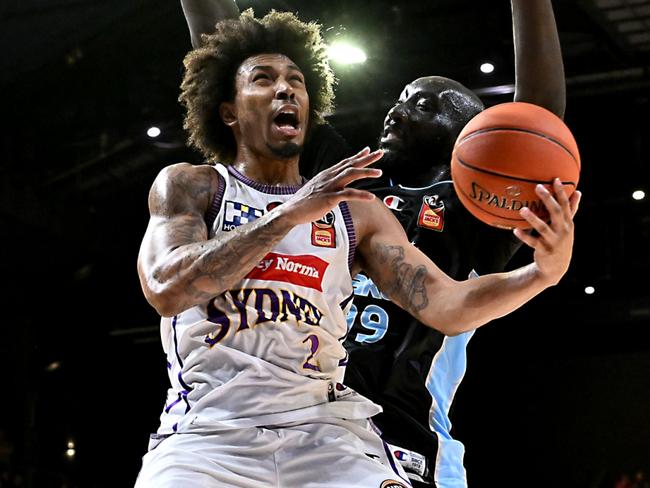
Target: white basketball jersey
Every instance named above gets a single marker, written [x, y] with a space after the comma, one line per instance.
[269, 351]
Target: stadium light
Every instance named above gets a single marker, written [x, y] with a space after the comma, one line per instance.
[487, 68]
[346, 53]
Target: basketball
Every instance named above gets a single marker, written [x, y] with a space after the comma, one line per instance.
[503, 153]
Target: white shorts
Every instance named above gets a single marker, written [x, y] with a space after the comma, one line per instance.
[329, 453]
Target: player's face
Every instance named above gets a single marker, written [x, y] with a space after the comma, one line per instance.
[271, 106]
[421, 128]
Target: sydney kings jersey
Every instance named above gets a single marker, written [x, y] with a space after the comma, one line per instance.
[269, 350]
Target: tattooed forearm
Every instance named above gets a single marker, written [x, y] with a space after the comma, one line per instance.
[179, 265]
[407, 286]
[200, 271]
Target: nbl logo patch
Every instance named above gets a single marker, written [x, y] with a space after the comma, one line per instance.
[323, 233]
[239, 214]
[432, 213]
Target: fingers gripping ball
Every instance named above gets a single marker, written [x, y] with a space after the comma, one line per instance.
[503, 153]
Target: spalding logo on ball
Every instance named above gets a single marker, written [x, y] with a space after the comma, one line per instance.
[503, 153]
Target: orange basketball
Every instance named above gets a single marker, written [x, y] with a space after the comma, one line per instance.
[503, 153]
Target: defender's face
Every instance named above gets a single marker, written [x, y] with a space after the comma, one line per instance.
[425, 121]
[271, 106]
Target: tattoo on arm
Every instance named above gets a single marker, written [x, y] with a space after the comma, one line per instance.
[407, 286]
[205, 268]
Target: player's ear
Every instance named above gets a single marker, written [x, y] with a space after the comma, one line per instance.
[227, 113]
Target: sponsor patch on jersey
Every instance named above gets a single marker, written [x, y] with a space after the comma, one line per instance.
[323, 233]
[239, 214]
[392, 484]
[432, 213]
[302, 270]
[394, 202]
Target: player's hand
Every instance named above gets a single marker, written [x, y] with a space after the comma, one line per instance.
[554, 243]
[329, 187]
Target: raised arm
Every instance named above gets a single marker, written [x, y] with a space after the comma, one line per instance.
[415, 283]
[180, 266]
[539, 71]
[202, 15]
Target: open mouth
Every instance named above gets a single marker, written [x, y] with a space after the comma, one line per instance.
[390, 134]
[286, 123]
[286, 120]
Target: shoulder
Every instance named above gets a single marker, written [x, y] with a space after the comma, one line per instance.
[183, 188]
[372, 217]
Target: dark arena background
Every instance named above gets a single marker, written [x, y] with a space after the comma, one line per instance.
[556, 395]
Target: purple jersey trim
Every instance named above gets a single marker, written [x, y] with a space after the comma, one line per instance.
[352, 236]
[213, 211]
[178, 356]
[269, 189]
[391, 460]
[188, 388]
[345, 302]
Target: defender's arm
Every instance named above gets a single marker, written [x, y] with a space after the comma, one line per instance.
[202, 15]
[539, 71]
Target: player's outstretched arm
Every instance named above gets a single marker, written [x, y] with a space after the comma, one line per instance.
[179, 266]
[539, 71]
[415, 283]
[202, 15]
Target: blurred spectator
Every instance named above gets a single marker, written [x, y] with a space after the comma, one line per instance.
[624, 482]
[641, 480]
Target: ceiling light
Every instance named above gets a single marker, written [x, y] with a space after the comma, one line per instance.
[638, 195]
[590, 290]
[345, 53]
[487, 68]
[153, 132]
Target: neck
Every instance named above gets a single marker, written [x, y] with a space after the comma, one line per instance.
[420, 179]
[268, 170]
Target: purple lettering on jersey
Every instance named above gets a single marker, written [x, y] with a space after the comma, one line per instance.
[314, 344]
[273, 305]
[289, 304]
[269, 305]
[311, 312]
[241, 306]
[219, 318]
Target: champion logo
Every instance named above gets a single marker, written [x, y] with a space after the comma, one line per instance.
[394, 202]
[302, 270]
[400, 455]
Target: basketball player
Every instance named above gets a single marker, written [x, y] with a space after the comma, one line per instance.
[391, 353]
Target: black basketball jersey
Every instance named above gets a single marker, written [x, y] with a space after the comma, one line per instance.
[390, 352]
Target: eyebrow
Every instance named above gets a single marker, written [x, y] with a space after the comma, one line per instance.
[266, 68]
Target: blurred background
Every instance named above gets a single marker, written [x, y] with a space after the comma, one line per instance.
[556, 394]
